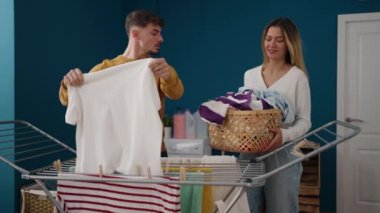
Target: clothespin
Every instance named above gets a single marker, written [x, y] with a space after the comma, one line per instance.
[149, 172]
[182, 173]
[100, 170]
[167, 166]
[57, 165]
[201, 165]
[138, 170]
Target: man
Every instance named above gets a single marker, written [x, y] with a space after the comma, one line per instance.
[144, 31]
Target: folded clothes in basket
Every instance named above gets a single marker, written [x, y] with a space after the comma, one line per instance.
[215, 111]
[273, 98]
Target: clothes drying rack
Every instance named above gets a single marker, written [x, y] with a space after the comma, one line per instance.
[31, 151]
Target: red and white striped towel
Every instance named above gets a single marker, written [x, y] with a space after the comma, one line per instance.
[85, 196]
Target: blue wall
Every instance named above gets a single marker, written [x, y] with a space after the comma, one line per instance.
[53, 37]
[210, 43]
[50, 38]
[6, 96]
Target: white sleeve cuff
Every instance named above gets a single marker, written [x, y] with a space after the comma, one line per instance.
[285, 135]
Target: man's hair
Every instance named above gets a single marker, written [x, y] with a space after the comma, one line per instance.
[142, 19]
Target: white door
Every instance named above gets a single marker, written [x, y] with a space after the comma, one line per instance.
[358, 160]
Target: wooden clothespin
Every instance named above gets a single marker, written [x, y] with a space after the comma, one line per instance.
[100, 170]
[149, 172]
[167, 166]
[138, 170]
[57, 165]
[182, 173]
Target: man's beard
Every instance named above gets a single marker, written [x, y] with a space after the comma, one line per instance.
[154, 54]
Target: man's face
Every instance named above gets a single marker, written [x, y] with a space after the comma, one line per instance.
[150, 38]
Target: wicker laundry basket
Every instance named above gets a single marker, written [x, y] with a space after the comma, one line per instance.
[245, 131]
[34, 200]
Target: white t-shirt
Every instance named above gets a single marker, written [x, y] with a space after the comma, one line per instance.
[294, 87]
[118, 125]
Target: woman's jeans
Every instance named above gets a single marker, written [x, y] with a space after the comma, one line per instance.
[280, 192]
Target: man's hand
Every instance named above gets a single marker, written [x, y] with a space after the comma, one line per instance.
[160, 68]
[74, 77]
[276, 140]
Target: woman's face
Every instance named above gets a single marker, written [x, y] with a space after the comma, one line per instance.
[275, 44]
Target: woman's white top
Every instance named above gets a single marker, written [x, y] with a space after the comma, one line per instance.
[294, 87]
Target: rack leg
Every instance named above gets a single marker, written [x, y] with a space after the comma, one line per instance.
[55, 201]
[235, 199]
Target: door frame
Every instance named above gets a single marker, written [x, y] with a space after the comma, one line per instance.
[343, 21]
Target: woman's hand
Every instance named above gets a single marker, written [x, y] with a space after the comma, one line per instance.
[276, 140]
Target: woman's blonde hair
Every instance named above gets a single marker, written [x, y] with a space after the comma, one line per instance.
[294, 55]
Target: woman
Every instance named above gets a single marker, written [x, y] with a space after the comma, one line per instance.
[283, 70]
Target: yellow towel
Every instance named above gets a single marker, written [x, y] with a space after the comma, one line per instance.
[207, 201]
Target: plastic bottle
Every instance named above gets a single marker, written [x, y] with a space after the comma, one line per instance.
[190, 124]
[179, 128]
[200, 126]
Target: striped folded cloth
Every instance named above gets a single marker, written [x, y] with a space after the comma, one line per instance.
[215, 111]
[87, 196]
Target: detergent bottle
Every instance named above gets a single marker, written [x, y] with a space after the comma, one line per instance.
[179, 128]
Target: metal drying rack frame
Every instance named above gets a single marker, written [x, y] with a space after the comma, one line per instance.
[31, 151]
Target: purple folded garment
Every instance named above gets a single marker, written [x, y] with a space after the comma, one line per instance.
[210, 116]
[266, 105]
[215, 111]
